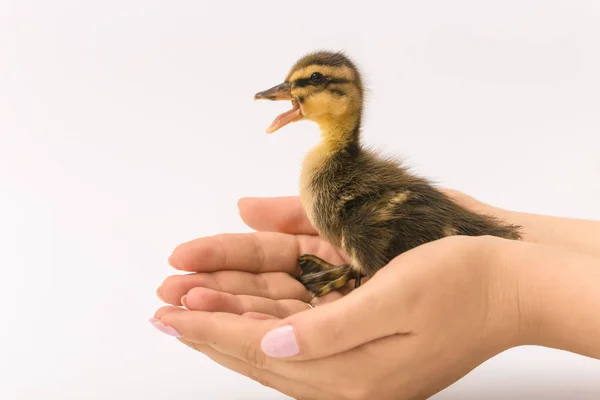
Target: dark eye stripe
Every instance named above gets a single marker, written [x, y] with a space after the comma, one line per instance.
[303, 82]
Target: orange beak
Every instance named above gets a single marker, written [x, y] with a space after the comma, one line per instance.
[281, 92]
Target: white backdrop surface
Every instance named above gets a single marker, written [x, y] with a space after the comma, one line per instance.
[127, 127]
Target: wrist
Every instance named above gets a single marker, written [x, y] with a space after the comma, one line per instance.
[504, 317]
[555, 298]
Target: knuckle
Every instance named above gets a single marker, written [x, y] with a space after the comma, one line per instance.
[200, 279]
[254, 357]
[263, 285]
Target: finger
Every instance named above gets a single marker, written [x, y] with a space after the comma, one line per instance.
[202, 299]
[344, 376]
[206, 331]
[160, 325]
[166, 310]
[255, 315]
[250, 252]
[271, 285]
[231, 334]
[380, 308]
[373, 311]
[276, 214]
[266, 378]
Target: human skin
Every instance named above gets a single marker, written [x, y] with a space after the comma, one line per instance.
[286, 215]
[423, 322]
[577, 235]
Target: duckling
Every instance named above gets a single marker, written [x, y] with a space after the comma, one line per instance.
[367, 205]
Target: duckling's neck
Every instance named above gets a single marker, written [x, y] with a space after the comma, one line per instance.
[337, 133]
[339, 136]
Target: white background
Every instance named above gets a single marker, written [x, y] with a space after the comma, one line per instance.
[127, 127]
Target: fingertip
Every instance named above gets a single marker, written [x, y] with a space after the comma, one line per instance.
[166, 329]
[247, 208]
[204, 299]
[200, 297]
[166, 310]
[240, 203]
[244, 201]
[195, 255]
[171, 289]
[160, 295]
[174, 259]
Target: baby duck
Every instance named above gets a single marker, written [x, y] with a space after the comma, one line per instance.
[369, 206]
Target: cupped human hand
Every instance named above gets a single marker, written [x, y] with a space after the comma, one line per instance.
[421, 323]
[441, 335]
[260, 264]
[238, 272]
[251, 271]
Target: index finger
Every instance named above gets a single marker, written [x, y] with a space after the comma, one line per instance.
[250, 252]
[276, 214]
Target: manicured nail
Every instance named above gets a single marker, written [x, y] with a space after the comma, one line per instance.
[280, 342]
[169, 330]
[183, 301]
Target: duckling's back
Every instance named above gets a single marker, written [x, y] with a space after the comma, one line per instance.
[374, 209]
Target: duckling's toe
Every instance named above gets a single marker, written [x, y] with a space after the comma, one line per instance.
[322, 288]
[357, 276]
[310, 263]
[321, 277]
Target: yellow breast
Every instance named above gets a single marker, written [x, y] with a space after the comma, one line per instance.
[313, 161]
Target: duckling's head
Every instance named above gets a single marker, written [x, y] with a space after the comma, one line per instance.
[324, 87]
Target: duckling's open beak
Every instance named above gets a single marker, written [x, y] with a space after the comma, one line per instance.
[281, 92]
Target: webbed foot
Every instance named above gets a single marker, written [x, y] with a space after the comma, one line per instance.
[321, 277]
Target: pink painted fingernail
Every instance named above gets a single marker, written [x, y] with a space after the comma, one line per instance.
[169, 330]
[280, 342]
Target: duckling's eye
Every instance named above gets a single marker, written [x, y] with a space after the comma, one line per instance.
[316, 78]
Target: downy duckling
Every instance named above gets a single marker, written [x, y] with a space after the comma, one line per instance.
[369, 206]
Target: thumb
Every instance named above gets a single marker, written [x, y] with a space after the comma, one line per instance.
[368, 313]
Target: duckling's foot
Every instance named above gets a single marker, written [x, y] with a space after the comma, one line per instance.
[319, 289]
[357, 278]
[321, 277]
[310, 263]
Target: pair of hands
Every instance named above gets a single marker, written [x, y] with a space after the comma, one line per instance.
[421, 323]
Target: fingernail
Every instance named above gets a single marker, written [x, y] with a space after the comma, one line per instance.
[169, 330]
[280, 342]
[183, 301]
